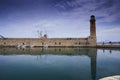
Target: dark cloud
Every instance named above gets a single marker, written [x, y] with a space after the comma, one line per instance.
[25, 4]
[97, 7]
[108, 10]
[17, 9]
[105, 10]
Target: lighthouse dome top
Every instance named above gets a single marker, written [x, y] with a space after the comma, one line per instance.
[92, 17]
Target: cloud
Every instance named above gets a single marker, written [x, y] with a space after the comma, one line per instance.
[108, 10]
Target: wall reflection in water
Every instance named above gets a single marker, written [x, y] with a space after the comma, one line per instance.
[89, 52]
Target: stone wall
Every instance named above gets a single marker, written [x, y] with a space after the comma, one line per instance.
[47, 42]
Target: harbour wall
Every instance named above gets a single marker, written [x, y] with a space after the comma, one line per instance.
[50, 42]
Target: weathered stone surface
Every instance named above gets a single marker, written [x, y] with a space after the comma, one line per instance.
[48, 42]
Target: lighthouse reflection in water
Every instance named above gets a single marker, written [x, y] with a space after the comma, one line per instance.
[58, 63]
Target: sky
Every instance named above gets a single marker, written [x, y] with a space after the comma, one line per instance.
[59, 18]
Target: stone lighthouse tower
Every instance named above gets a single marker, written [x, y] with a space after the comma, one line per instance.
[93, 29]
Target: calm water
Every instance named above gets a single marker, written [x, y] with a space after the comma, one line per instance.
[58, 63]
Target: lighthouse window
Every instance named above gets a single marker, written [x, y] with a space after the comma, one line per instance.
[92, 22]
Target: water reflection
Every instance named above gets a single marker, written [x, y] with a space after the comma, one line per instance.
[89, 52]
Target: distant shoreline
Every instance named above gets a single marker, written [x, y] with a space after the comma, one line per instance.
[108, 45]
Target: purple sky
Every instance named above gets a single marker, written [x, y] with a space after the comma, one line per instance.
[60, 18]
